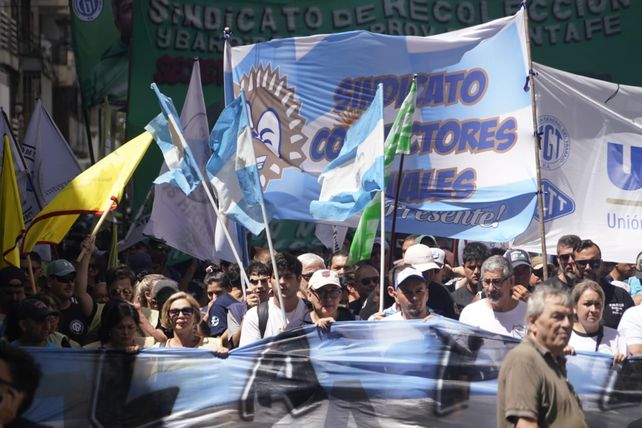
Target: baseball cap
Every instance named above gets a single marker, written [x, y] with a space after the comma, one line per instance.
[60, 267]
[439, 256]
[407, 273]
[161, 284]
[537, 262]
[36, 309]
[638, 266]
[517, 257]
[324, 277]
[10, 273]
[420, 257]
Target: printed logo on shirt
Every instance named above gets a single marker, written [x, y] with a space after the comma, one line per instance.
[214, 321]
[617, 308]
[76, 327]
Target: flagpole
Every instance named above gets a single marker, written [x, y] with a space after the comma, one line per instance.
[394, 212]
[97, 227]
[245, 281]
[536, 140]
[273, 259]
[31, 276]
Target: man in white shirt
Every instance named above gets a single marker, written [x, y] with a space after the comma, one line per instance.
[266, 319]
[499, 312]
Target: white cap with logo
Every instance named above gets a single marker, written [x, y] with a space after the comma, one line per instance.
[323, 277]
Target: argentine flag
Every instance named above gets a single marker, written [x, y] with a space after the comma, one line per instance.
[168, 133]
[232, 168]
[350, 181]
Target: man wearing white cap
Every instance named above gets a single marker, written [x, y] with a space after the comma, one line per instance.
[419, 256]
[410, 292]
[324, 293]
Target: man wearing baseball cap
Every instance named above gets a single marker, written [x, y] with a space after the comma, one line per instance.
[35, 322]
[521, 264]
[420, 257]
[324, 293]
[410, 292]
[74, 317]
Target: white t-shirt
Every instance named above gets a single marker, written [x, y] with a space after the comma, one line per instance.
[481, 315]
[611, 343]
[250, 329]
[630, 327]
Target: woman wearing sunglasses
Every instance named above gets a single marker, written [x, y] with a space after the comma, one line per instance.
[588, 332]
[324, 293]
[180, 316]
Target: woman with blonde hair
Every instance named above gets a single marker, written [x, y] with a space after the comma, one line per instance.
[180, 316]
[588, 332]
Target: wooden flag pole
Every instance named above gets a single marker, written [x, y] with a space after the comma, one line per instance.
[34, 290]
[536, 140]
[96, 228]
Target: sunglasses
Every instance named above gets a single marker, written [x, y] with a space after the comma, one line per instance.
[538, 273]
[185, 311]
[593, 263]
[370, 280]
[565, 257]
[259, 281]
[495, 282]
[66, 278]
[307, 276]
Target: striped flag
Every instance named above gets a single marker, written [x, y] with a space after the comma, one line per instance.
[398, 141]
[349, 182]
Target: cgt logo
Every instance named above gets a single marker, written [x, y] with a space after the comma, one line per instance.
[556, 143]
[631, 180]
[556, 203]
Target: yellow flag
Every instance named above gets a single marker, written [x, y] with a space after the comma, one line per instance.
[96, 189]
[11, 219]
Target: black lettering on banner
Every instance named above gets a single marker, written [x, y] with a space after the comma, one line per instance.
[110, 407]
[283, 373]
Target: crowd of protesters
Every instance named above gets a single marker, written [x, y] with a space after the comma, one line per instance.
[146, 303]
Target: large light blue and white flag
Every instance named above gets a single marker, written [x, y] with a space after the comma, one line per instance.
[471, 170]
[48, 158]
[232, 168]
[349, 182]
[188, 222]
[168, 134]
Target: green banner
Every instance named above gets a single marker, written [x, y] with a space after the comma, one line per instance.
[590, 37]
[101, 48]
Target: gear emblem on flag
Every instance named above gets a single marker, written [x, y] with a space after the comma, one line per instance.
[280, 129]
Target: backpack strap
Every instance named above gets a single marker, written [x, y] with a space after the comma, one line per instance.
[264, 313]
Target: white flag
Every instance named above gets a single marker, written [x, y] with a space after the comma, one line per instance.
[591, 161]
[48, 158]
[188, 223]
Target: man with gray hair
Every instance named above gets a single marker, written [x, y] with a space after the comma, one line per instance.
[532, 386]
[311, 263]
[499, 312]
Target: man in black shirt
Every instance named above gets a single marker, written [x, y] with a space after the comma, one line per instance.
[567, 272]
[588, 258]
[474, 255]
